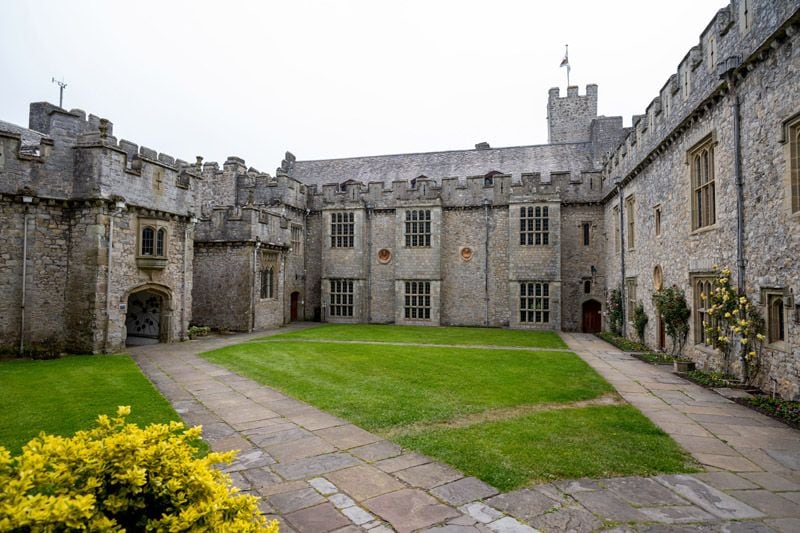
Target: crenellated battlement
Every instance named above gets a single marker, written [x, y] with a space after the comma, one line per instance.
[469, 191]
[734, 41]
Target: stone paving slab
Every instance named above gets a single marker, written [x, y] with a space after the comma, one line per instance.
[410, 509]
[321, 473]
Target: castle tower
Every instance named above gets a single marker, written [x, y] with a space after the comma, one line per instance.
[569, 118]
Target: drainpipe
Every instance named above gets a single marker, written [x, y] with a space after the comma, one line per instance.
[189, 226]
[737, 169]
[253, 286]
[622, 257]
[283, 285]
[27, 200]
[368, 229]
[486, 204]
[118, 206]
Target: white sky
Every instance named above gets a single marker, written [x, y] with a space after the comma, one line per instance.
[340, 78]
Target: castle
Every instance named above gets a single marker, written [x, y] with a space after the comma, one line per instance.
[105, 242]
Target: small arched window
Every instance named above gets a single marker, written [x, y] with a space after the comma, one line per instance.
[587, 286]
[777, 331]
[148, 238]
[161, 238]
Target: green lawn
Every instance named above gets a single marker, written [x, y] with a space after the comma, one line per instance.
[62, 396]
[470, 407]
[428, 335]
[602, 441]
[381, 387]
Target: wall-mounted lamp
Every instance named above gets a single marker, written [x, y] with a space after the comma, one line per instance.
[120, 205]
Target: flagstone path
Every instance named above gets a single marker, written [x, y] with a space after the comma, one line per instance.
[318, 473]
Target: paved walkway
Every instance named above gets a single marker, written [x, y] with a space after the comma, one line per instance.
[318, 473]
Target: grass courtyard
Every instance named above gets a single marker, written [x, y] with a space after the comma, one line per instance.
[62, 396]
[510, 407]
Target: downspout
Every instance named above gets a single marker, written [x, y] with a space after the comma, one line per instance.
[253, 287]
[369, 262]
[737, 169]
[118, 206]
[186, 231]
[622, 257]
[305, 274]
[486, 204]
[283, 285]
[108, 279]
[27, 200]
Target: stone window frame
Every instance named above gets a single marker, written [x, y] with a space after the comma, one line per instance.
[417, 228]
[630, 214]
[777, 307]
[267, 290]
[586, 229]
[617, 232]
[702, 284]
[630, 297]
[534, 225]
[534, 302]
[702, 174]
[657, 216]
[343, 229]
[417, 300]
[341, 299]
[157, 245]
[790, 138]
[297, 239]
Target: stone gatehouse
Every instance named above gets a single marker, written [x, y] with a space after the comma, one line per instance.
[106, 242]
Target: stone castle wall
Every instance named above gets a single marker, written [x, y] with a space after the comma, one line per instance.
[652, 166]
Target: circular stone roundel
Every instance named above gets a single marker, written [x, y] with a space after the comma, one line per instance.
[384, 256]
[466, 253]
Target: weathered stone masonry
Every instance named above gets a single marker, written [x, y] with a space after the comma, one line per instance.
[118, 241]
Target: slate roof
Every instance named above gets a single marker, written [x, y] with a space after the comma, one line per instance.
[516, 160]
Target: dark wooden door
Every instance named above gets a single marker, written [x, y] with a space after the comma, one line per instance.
[592, 322]
[293, 310]
[662, 335]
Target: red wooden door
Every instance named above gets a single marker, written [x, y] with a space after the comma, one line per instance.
[293, 309]
[592, 322]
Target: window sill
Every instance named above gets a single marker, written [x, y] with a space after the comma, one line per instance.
[704, 229]
[779, 346]
[706, 349]
[151, 263]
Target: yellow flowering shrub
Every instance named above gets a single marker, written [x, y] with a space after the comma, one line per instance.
[730, 318]
[119, 477]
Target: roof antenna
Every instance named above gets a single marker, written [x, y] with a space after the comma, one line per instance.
[61, 86]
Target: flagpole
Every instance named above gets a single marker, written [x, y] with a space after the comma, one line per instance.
[566, 54]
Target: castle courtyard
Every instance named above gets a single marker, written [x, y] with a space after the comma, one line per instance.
[318, 472]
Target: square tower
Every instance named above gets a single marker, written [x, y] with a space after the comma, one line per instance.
[569, 118]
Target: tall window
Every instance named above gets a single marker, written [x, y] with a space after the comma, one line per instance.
[534, 302]
[776, 331]
[417, 304]
[341, 297]
[703, 187]
[630, 214]
[161, 237]
[267, 283]
[418, 228]
[701, 288]
[630, 298]
[586, 227]
[148, 238]
[342, 229]
[794, 164]
[297, 236]
[657, 220]
[534, 225]
[615, 214]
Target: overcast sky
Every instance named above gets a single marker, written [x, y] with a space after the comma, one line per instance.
[328, 79]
